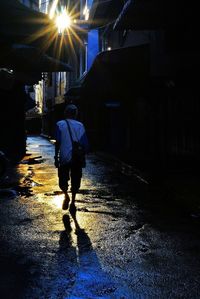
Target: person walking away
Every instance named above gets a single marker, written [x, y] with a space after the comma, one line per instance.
[67, 131]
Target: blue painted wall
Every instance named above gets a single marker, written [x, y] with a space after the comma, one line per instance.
[93, 43]
[89, 3]
[93, 46]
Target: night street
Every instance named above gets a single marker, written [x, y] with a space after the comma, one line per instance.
[126, 241]
[113, 84]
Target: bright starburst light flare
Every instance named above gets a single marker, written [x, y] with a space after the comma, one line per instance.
[53, 9]
[60, 30]
[63, 21]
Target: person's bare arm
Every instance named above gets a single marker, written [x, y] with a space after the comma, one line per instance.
[57, 147]
[56, 157]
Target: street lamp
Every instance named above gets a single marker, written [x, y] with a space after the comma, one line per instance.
[63, 21]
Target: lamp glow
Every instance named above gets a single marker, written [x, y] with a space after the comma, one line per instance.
[53, 9]
[86, 13]
[63, 21]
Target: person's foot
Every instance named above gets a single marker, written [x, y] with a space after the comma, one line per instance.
[66, 201]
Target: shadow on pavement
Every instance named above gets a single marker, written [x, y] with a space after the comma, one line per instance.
[91, 281]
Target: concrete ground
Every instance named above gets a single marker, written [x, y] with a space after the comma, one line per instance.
[128, 239]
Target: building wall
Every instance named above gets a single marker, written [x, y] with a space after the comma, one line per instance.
[12, 112]
[12, 122]
[158, 126]
[93, 47]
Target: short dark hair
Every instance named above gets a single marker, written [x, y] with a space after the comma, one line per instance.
[71, 110]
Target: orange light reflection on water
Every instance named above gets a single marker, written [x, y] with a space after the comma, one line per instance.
[57, 201]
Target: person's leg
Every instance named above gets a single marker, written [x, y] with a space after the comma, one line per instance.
[63, 175]
[76, 174]
[66, 201]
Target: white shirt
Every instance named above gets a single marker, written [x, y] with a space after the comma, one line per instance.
[63, 137]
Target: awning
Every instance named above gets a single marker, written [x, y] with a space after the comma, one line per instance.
[18, 22]
[118, 72]
[156, 15]
[22, 25]
[26, 58]
[140, 15]
[103, 12]
[9, 78]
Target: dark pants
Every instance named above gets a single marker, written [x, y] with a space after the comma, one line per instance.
[67, 172]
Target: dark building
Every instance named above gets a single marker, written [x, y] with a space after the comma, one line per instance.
[142, 88]
[23, 58]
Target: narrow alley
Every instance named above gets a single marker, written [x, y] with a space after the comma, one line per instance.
[123, 243]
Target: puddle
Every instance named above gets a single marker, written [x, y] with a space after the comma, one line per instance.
[53, 193]
[24, 191]
[34, 160]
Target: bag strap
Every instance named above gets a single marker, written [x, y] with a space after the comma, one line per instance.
[70, 132]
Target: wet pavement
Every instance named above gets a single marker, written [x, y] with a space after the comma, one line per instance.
[128, 239]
